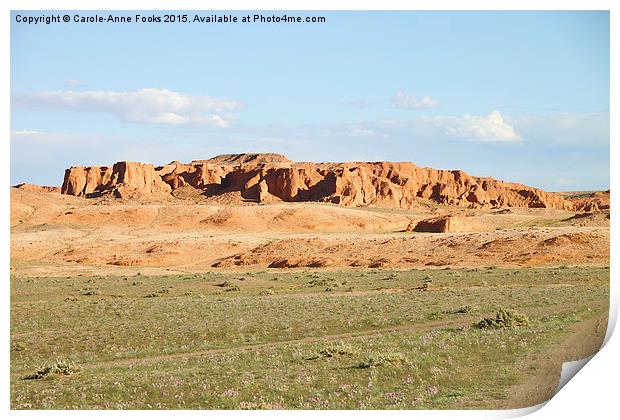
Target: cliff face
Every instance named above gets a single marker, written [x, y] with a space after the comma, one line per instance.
[596, 201]
[270, 177]
[123, 180]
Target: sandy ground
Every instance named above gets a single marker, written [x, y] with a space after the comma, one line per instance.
[53, 234]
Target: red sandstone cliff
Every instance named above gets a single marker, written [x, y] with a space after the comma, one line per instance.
[272, 177]
[123, 180]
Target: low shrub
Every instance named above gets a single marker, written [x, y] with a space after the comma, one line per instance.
[464, 309]
[19, 347]
[504, 318]
[60, 367]
[158, 294]
[317, 282]
[224, 284]
[382, 359]
[338, 350]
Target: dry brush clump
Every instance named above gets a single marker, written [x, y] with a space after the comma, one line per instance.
[158, 293]
[375, 359]
[339, 350]
[383, 359]
[504, 318]
[465, 309]
[59, 367]
[335, 350]
[225, 283]
[318, 282]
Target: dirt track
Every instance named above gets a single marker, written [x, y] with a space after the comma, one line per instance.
[584, 340]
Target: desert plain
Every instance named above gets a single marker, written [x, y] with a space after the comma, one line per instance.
[249, 281]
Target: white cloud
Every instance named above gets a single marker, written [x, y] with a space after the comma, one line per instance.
[489, 128]
[361, 132]
[154, 106]
[41, 138]
[573, 147]
[27, 133]
[404, 101]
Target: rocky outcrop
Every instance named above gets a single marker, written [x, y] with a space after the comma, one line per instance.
[37, 188]
[441, 224]
[595, 201]
[122, 180]
[246, 158]
[270, 177]
[85, 181]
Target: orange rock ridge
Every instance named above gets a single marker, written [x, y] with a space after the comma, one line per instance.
[38, 188]
[596, 201]
[271, 177]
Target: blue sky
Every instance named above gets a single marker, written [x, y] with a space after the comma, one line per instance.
[520, 96]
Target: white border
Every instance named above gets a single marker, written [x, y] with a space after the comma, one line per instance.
[592, 393]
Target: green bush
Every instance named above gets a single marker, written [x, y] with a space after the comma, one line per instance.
[504, 318]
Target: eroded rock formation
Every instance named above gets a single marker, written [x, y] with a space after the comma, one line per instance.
[122, 180]
[595, 201]
[272, 177]
[38, 188]
[439, 224]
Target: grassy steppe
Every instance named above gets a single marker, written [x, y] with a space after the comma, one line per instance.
[294, 339]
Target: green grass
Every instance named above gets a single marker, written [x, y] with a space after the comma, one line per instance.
[277, 339]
